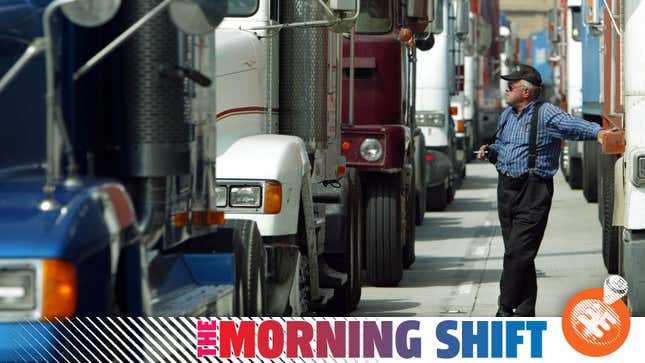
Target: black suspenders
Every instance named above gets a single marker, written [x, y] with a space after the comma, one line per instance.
[533, 137]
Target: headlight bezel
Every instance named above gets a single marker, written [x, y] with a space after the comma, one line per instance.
[264, 185]
[34, 267]
[372, 144]
[255, 191]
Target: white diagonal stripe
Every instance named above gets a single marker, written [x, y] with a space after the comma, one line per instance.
[95, 337]
[106, 338]
[158, 338]
[185, 346]
[116, 336]
[86, 339]
[23, 348]
[38, 341]
[32, 347]
[170, 337]
[76, 338]
[147, 357]
[148, 339]
[143, 341]
[110, 340]
[45, 338]
[66, 338]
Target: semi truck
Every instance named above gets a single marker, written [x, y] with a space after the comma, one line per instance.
[320, 182]
[565, 31]
[379, 135]
[103, 213]
[621, 193]
[486, 25]
[444, 154]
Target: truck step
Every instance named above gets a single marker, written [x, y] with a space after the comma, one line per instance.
[194, 300]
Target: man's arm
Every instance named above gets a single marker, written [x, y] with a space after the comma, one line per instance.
[561, 125]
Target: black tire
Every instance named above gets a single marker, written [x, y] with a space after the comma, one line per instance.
[253, 293]
[419, 179]
[575, 173]
[347, 296]
[437, 198]
[590, 171]
[606, 209]
[408, 248]
[383, 222]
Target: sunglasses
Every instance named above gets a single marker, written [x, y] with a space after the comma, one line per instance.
[510, 87]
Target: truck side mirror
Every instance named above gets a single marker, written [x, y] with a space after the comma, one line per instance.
[462, 21]
[197, 17]
[91, 13]
[437, 25]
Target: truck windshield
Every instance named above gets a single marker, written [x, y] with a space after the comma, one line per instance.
[22, 103]
[242, 8]
[375, 17]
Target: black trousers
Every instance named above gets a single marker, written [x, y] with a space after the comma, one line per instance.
[523, 205]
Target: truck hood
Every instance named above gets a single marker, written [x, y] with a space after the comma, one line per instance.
[27, 231]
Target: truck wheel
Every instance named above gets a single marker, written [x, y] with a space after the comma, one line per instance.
[253, 293]
[408, 249]
[346, 297]
[437, 198]
[589, 171]
[419, 179]
[606, 208]
[383, 223]
[575, 173]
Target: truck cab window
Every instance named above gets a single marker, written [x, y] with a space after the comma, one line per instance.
[375, 17]
[576, 23]
[242, 8]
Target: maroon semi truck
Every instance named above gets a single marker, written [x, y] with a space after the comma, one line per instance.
[379, 136]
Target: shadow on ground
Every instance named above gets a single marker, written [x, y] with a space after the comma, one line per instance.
[385, 307]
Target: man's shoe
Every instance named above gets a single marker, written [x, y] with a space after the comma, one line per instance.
[504, 313]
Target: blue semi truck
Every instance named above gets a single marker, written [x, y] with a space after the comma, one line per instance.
[102, 212]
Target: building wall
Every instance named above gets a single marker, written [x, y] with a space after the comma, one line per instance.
[527, 16]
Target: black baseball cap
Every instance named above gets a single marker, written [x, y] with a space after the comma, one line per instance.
[525, 72]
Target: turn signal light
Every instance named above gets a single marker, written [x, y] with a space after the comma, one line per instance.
[59, 289]
[453, 110]
[272, 198]
[405, 35]
[208, 218]
[181, 219]
[460, 126]
[346, 145]
[341, 170]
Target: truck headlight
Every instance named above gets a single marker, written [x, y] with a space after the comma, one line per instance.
[17, 289]
[246, 196]
[221, 196]
[371, 149]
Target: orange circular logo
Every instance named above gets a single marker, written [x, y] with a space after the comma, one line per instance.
[595, 322]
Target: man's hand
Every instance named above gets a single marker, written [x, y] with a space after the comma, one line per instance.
[483, 152]
[601, 135]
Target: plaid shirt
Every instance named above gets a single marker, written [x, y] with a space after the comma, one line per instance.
[511, 146]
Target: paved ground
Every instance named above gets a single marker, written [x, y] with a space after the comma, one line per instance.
[459, 256]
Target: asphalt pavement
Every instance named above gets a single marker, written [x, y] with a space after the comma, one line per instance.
[459, 256]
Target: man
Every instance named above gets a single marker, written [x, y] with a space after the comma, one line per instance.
[525, 184]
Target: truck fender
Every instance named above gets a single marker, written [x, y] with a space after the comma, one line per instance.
[269, 157]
